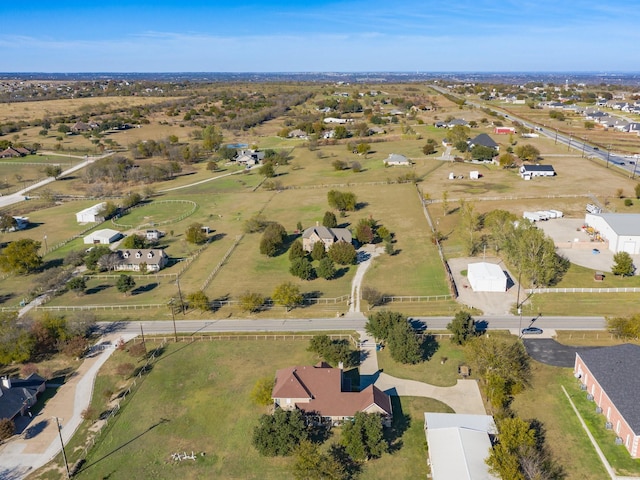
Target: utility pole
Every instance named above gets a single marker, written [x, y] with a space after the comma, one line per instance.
[173, 317]
[64, 454]
[569, 145]
[556, 142]
[518, 305]
[142, 333]
[608, 151]
[180, 294]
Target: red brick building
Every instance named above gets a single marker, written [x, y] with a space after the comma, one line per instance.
[611, 378]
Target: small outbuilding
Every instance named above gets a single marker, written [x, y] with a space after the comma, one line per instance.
[92, 214]
[102, 237]
[486, 277]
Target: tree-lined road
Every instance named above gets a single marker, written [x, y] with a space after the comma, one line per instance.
[354, 322]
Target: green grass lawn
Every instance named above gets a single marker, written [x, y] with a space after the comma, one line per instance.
[197, 398]
[617, 455]
[431, 371]
[608, 304]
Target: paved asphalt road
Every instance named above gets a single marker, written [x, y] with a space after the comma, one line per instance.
[351, 322]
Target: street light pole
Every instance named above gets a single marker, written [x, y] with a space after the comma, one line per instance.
[64, 454]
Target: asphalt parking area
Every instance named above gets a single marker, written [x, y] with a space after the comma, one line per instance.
[550, 352]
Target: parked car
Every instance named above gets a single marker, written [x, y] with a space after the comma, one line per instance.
[531, 331]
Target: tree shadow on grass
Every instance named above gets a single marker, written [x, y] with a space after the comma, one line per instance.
[97, 289]
[400, 424]
[429, 347]
[82, 468]
[144, 288]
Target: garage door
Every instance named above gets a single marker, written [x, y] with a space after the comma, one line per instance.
[629, 247]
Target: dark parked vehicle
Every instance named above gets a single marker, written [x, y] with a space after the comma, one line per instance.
[531, 331]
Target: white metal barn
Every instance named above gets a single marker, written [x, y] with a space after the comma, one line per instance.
[102, 237]
[458, 445]
[91, 214]
[486, 277]
[622, 230]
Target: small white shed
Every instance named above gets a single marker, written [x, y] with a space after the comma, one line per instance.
[486, 277]
[102, 237]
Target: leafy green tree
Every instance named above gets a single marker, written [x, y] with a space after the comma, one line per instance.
[16, 342]
[261, 392]
[339, 165]
[516, 437]
[311, 464]
[280, 433]
[7, 222]
[363, 149]
[506, 160]
[383, 232]
[109, 210]
[404, 345]
[332, 351]
[251, 301]
[625, 327]
[326, 269]
[125, 283]
[134, 241]
[363, 438]
[53, 171]
[430, 147]
[342, 201]
[340, 132]
[272, 239]
[131, 199]
[480, 152]
[342, 253]
[318, 252]
[302, 268]
[462, 146]
[463, 327]
[296, 250]
[199, 301]
[94, 255]
[267, 170]
[77, 284]
[622, 264]
[288, 295]
[527, 152]
[212, 166]
[21, 256]
[381, 323]
[211, 138]
[195, 234]
[637, 190]
[329, 220]
[257, 223]
[502, 365]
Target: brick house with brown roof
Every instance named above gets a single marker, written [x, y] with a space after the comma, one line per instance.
[610, 377]
[319, 390]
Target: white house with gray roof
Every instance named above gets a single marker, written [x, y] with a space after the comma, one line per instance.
[397, 159]
[621, 230]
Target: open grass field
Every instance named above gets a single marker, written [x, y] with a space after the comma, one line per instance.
[607, 304]
[197, 398]
[566, 440]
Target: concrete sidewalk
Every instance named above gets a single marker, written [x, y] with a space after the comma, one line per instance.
[39, 442]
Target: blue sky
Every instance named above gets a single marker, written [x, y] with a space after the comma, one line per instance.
[319, 36]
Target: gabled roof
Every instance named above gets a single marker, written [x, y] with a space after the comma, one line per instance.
[616, 370]
[325, 233]
[322, 384]
[13, 399]
[484, 140]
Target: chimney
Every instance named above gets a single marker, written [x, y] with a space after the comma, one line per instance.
[6, 382]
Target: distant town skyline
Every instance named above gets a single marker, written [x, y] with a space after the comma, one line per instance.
[340, 36]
